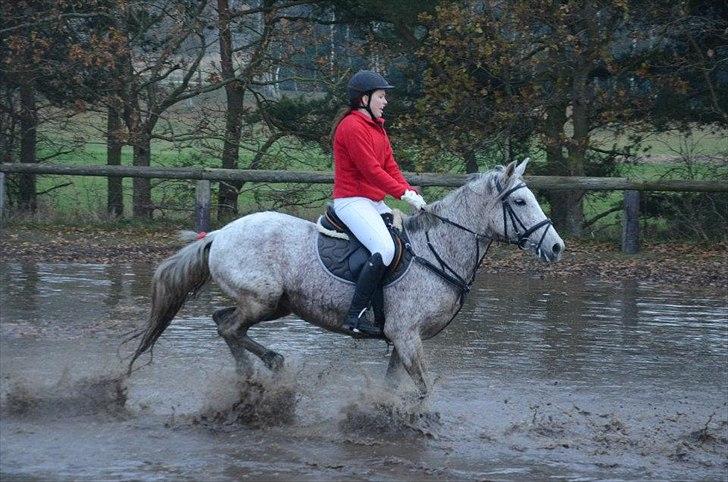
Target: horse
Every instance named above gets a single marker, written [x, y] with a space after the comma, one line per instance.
[267, 263]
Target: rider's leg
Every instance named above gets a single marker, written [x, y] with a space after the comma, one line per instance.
[362, 217]
[367, 283]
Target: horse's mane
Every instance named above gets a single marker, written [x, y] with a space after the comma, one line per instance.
[422, 222]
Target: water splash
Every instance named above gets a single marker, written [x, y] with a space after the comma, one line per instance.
[101, 395]
[260, 400]
[383, 411]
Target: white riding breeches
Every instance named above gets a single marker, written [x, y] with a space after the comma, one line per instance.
[363, 218]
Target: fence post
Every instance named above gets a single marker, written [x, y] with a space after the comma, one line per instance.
[2, 199]
[631, 222]
[202, 206]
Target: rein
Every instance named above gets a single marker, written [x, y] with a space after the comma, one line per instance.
[445, 272]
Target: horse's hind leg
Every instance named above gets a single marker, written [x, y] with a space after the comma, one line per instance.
[224, 318]
[233, 324]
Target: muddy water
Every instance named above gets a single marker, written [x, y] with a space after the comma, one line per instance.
[574, 380]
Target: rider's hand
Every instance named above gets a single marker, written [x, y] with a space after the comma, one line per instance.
[413, 199]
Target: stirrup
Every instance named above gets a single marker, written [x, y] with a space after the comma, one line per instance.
[361, 326]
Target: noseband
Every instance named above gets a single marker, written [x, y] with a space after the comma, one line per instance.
[516, 222]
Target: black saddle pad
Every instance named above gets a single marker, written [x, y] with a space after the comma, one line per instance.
[344, 258]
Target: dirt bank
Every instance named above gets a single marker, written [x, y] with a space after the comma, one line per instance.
[678, 263]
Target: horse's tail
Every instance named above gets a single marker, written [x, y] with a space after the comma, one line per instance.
[175, 280]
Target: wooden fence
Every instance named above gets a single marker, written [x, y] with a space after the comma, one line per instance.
[204, 176]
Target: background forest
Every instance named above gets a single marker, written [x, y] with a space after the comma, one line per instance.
[585, 88]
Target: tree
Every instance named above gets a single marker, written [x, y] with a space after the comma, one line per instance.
[238, 81]
[555, 72]
[162, 46]
[339, 38]
[690, 69]
[115, 134]
[50, 55]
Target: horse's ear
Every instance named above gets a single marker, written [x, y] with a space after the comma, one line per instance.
[522, 167]
[508, 173]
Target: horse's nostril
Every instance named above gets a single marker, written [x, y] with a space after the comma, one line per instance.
[556, 249]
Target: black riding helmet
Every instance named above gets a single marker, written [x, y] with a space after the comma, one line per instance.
[364, 83]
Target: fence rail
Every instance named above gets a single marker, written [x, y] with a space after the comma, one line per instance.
[204, 176]
[555, 183]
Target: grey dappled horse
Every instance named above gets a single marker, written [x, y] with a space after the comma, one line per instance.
[267, 263]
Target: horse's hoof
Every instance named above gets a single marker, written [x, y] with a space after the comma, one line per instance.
[272, 360]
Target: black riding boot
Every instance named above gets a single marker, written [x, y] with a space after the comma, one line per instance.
[369, 278]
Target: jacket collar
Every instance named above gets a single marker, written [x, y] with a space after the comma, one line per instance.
[379, 122]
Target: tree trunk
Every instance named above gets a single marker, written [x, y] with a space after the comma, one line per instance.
[140, 139]
[234, 92]
[142, 196]
[115, 197]
[556, 165]
[140, 134]
[567, 212]
[471, 164]
[28, 199]
[576, 160]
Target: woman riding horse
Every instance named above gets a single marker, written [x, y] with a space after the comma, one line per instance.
[364, 172]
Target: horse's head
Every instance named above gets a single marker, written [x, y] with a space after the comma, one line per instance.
[517, 218]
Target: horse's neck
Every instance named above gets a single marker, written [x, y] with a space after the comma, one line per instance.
[457, 247]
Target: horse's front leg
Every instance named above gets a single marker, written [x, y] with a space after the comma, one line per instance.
[410, 353]
[395, 370]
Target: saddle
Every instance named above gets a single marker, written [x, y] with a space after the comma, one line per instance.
[343, 255]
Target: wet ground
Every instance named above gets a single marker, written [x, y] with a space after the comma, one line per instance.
[568, 379]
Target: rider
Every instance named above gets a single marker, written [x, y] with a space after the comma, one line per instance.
[364, 172]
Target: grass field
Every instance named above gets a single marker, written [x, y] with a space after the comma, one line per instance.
[71, 200]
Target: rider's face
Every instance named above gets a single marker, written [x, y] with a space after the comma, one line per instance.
[378, 103]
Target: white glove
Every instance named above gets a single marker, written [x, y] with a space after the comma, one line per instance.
[413, 199]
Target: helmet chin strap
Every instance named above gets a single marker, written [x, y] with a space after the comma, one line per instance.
[368, 106]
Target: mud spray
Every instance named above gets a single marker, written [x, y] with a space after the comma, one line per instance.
[102, 395]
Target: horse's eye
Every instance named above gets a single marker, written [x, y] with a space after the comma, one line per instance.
[519, 202]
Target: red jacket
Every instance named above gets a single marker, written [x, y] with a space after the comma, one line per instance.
[363, 161]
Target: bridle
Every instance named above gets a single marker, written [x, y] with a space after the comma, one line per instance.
[446, 272]
[508, 213]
